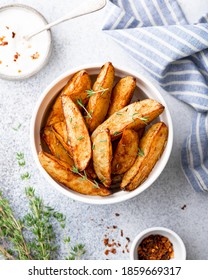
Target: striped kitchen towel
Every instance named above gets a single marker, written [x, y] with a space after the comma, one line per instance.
[175, 53]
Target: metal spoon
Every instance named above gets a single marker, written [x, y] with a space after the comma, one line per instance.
[87, 8]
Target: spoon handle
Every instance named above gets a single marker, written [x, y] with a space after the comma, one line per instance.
[86, 8]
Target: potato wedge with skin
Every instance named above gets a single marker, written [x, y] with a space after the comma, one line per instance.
[56, 114]
[121, 94]
[77, 87]
[136, 115]
[126, 152]
[102, 157]
[61, 172]
[151, 147]
[60, 131]
[55, 146]
[99, 102]
[77, 134]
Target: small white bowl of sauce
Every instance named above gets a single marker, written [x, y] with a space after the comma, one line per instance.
[20, 58]
[158, 243]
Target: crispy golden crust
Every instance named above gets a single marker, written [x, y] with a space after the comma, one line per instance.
[136, 115]
[60, 131]
[56, 114]
[126, 152]
[99, 102]
[77, 133]
[55, 146]
[151, 147]
[77, 87]
[121, 94]
[102, 157]
[61, 172]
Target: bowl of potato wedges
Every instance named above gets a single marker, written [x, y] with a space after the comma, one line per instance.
[101, 134]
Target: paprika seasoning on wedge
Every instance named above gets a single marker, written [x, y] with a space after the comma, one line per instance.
[155, 247]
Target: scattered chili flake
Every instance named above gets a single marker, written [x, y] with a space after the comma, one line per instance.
[13, 34]
[16, 56]
[155, 247]
[35, 55]
[121, 233]
[105, 241]
[114, 227]
[128, 239]
[183, 207]
[107, 252]
[2, 42]
[113, 251]
[117, 214]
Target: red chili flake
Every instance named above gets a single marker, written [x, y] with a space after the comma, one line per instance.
[183, 207]
[16, 56]
[114, 227]
[13, 34]
[35, 55]
[117, 214]
[2, 42]
[107, 252]
[121, 233]
[113, 251]
[123, 251]
[155, 247]
[128, 239]
[105, 241]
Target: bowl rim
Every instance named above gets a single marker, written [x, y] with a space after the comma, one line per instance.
[49, 50]
[160, 230]
[91, 199]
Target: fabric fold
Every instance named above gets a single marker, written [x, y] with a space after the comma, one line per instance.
[175, 53]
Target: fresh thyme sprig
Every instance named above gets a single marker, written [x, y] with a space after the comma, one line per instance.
[37, 222]
[26, 176]
[20, 159]
[84, 177]
[116, 133]
[144, 119]
[80, 103]
[17, 128]
[11, 231]
[140, 152]
[91, 92]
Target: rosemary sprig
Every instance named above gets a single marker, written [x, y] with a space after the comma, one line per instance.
[84, 177]
[79, 102]
[91, 92]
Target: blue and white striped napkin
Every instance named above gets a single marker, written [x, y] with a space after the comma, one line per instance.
[175, 53]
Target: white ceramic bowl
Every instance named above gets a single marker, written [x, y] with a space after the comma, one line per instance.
[178, 245]
[145, 89]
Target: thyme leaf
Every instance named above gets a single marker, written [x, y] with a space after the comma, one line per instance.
[80, 103]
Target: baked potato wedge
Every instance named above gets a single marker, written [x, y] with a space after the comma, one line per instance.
[77, 87]
[100, 99]
[135, 116]
[56, 114]
[102, 157]
[121, 94]
[55, 146]
[126, 152]
[60, 131]
[77, 133]
[62, 173]
[151, 147]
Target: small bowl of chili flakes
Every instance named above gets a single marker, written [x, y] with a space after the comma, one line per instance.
[158, 243]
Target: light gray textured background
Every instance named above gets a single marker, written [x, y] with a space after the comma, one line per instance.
[78, 42]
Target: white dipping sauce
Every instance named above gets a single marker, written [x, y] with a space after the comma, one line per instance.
[20, 58]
